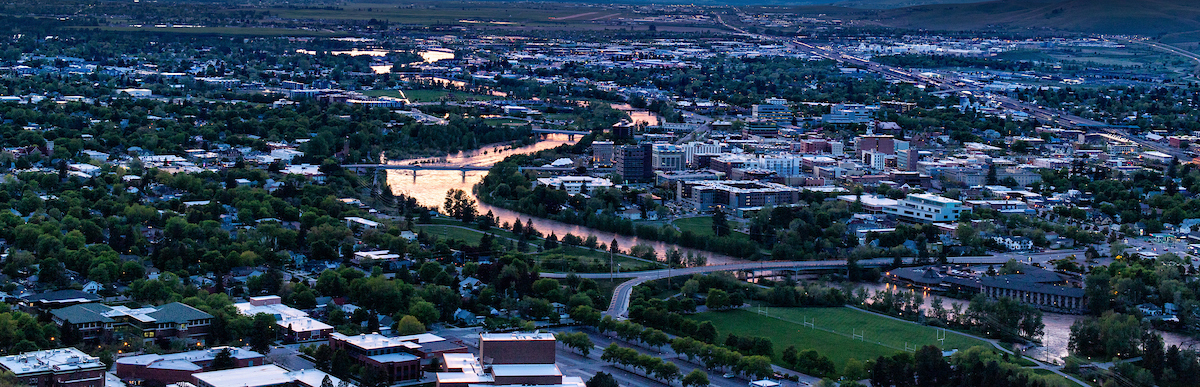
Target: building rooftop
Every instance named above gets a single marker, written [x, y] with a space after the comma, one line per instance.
[504, 370]
[369, 341]
[185, 360]
[464, 377]
[170, 313]
[517, 336]
[933, 198]
[398, 357]
[422, 338]
[263, 376]
[57, 360]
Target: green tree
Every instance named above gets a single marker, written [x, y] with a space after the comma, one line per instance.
[262, 333]
[602, 379]
[410, 325]
[720, 224]
[223, 360]
[424, 311]
[696, 378]
[717, 299]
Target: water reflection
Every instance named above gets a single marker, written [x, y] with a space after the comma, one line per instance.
[429, 188]
[639, 115]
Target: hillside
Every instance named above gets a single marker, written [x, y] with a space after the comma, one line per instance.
[1142, 17]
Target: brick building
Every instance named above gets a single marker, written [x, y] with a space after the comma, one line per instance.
[517, 348]
[175, 320]
[396, 358]
[64, 367]
[507, 359]
[179, 367]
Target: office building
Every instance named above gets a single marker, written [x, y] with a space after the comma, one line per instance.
[635, 163]
[882, 143]
[926, 208]
[668, 157]
[845, 114]
[602, 152]
[780, 114]
[761, 128]
[739, 195]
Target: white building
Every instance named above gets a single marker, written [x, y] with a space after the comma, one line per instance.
[691, 149]
[926, 208]
[136, 93]
[263, 376]
[294, 321]
[575, 185]
[668, 157]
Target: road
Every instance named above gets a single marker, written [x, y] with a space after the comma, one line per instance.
[619, 305]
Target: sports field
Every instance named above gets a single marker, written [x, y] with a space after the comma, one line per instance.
[833, 332]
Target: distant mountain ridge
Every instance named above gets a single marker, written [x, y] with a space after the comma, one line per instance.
[1131, 17]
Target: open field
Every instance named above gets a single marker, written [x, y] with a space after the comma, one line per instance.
[445, 12]
[784, 327]
[429, 95]
[702, 226]
[583, 260]
[247, 31]
[448, 232]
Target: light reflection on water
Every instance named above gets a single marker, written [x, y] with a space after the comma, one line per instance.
[430, 188]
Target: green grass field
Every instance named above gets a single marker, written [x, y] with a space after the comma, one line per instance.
[446, 232]
[883, 336]
[588, 261]
[702, 226]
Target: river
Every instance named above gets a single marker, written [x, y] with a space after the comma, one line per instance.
[429, 188]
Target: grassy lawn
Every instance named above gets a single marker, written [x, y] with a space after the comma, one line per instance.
[883, 336]
[504, 121]
[702, 226]
[1050, 374]
[581, 260]
[446, 232]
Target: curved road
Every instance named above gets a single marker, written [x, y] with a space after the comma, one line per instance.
[619, 305]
